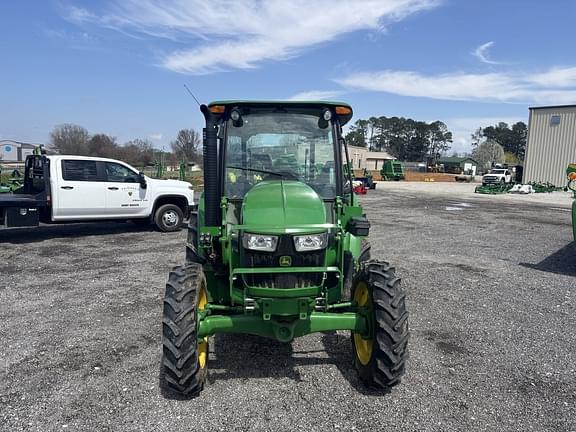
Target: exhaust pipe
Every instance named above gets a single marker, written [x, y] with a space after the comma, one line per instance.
[211, 184]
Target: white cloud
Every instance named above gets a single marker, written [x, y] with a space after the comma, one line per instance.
[510, 87]
[240, 34]
[155, 137]
[482, 53]
[317, 95]
[556, 77]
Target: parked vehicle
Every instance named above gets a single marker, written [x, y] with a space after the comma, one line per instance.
[497, 176]
[78, 188]
[366, 179]
[392, 170]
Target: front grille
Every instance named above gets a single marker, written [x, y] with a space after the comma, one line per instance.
[285, 247]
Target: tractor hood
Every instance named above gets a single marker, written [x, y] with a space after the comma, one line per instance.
[282, 203]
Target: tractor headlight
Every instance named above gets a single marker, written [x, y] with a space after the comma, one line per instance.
[310, 242]
[260, 242]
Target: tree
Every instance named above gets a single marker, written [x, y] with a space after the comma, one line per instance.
[139, 152]
[513, 139]
[519, 137]
[439, 139]
[511, 158]
[102, 145]
[69, 139]
[186, 145]
[477, 137]
[488, 153]
[358, 133]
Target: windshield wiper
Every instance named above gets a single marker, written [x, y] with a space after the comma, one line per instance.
[257, 170]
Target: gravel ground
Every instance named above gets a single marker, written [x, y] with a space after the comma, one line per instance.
[491, 287]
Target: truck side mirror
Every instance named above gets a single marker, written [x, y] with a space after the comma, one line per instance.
[142, 180]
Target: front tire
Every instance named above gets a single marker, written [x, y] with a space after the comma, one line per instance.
[380, 357]
[169, 218]
[183, 369]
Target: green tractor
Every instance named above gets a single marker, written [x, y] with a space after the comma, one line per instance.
[571, 174]
[277, 246]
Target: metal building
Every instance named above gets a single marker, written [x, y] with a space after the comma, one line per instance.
[362, 157]
[14, 151]
[551, 144]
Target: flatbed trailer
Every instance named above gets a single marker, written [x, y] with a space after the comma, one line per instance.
[29, 204]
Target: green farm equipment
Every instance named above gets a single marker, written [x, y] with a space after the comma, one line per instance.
[392, 170]
[11, 184]
[279, 251]
[571, 174]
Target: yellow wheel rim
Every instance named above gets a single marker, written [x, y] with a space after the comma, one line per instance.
[202, 346]
[363, 346]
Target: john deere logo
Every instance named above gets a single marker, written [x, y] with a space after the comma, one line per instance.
[285, 261]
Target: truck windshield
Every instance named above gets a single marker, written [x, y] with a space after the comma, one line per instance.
[279, 146]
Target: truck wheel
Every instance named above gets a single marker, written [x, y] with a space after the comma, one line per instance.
[380, 357]
[183, 368]
[168, 217]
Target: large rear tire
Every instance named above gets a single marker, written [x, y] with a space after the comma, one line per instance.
[183, 369]
[380, 358]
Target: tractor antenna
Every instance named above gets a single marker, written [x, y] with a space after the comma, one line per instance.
[192, 94]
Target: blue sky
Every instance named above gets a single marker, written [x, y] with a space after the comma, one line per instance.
[119, 67]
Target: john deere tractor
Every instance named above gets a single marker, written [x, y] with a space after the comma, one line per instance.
[277, 246]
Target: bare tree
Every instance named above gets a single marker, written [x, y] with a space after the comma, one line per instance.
[138, 152]
[69, 139]
[103, 145]
[488, 153]
[187, 145]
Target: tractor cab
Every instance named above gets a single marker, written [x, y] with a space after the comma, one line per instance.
[287, 143]
[278, 245]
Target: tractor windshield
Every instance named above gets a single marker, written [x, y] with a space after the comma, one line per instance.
[265, 145]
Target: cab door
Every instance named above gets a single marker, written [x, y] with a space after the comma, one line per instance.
[79, 192]
[124, 195]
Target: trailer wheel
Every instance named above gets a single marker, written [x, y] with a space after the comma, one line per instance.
[168, 218]
[183, 369]
[380, 356]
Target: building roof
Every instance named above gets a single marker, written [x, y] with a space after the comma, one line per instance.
[455, 160]
[378, 155]
[552, 107]
[367, 154]
[18, 143]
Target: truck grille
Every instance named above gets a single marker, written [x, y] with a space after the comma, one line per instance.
[285, 247]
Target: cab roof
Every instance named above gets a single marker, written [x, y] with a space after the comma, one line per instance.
[294, 103]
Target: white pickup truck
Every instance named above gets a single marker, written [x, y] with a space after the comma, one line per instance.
[79, 188]
[497, 176]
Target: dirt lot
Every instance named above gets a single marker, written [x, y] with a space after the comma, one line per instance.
[491, 284]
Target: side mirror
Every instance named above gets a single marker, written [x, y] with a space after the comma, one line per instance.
[142, 180]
